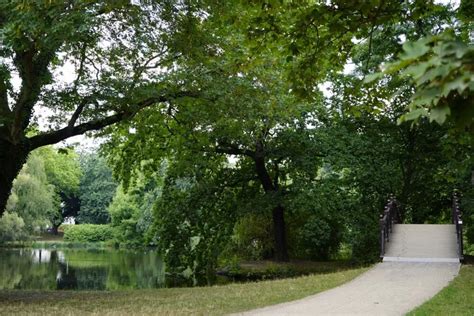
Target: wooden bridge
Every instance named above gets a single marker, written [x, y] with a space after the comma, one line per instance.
[420, 242]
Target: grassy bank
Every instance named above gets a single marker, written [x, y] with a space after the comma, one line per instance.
[52, 244]
[59, 244]
[216, 300]
[268, 270]
[50, 241]
[455, 299]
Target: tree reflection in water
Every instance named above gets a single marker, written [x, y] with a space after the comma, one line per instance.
[79, 269]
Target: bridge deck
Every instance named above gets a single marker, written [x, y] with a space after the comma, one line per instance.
[422, 243]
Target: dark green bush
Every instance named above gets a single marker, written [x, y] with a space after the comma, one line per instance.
[364, 239]
[253, 237]
[319, 238]
[88, 233]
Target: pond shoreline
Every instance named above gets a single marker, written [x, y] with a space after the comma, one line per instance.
[61, 244]
[80, 266]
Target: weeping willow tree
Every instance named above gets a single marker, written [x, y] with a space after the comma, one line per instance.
[33, 198]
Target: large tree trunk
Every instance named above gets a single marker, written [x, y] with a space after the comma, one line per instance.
[12, 158]
[54, 229]
[279, 227]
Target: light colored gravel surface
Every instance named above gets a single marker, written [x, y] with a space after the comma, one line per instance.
[390, 288]
[432, 242]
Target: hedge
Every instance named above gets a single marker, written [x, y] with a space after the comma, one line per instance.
[88, 233]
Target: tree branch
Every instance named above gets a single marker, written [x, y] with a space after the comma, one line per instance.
[66, 132]
[277, 175]
[56, 136]
[146, 65]
[80, 71]
[32, 67]
[232, 149]
[4, 108]
[369, 52]
[77, 112]
[26, 98]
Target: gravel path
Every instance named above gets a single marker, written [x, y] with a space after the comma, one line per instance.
[390, 288]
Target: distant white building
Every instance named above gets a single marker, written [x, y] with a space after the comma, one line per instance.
[70, 220]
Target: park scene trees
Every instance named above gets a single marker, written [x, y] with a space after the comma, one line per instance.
[217, 133]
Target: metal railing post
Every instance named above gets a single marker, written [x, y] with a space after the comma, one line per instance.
[457, 220]
[461, 246]
[382, 237]
[386, 222]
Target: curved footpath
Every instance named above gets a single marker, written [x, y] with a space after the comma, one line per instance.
[390, 288]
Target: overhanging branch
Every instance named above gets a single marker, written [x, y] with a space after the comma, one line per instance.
[231, 149]
[4, 108]
[56, 136]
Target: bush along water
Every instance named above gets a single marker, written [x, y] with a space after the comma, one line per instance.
[88, 233]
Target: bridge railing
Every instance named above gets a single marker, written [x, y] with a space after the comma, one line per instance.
[457, 220]
[390, 216]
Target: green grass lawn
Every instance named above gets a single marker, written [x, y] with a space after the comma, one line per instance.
[215, 300]
[456, 299]
[268, 270]
[50, 237]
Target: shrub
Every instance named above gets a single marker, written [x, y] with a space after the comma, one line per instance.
[319, 238]
[253, 237]
[12, 228]
[364, 239]
[88, 233]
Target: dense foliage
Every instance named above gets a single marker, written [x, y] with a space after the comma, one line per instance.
[115, 54]
[247, 130]
[96, 190]
[131, 211]
[88, 233]
[33, 197]
[12, 228]
[192, 229]
[63, 171]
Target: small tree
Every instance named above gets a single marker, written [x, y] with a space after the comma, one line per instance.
[12, 228]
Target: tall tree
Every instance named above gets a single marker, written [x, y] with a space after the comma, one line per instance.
[248, 109]
[245, 113]
[64, 172]
[96, 190]
[118, 53]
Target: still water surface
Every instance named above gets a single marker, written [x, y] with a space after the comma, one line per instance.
[72, 269]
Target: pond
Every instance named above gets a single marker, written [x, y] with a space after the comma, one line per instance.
[71, 269]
